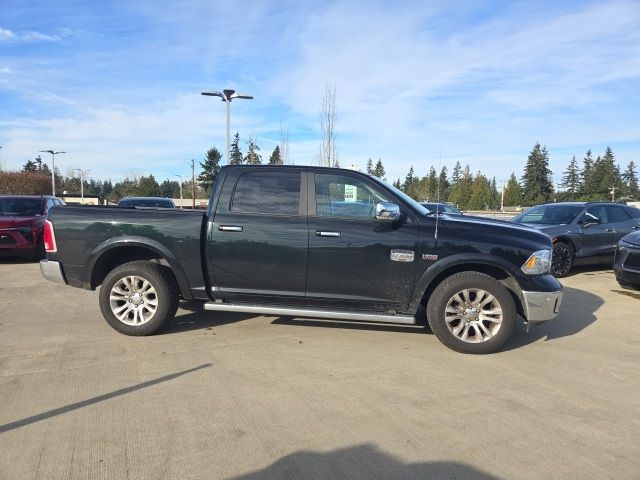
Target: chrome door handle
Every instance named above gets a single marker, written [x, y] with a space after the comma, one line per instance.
[636, 227]
[229, 228]
[608, 229]
[328, 234]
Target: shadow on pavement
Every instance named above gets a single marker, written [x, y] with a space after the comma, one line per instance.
[577, 312]
[198, 318]
[13, 259]
[100, 398]
[361, 462]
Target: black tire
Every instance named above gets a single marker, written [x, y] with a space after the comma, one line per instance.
[561, 259]
[166, 295]
[445, 292]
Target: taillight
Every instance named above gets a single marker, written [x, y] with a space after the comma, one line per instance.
[49, 238]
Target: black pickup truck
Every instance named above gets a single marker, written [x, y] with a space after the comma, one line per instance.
[308, 242]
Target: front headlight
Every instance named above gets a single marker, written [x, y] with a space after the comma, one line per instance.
[538, 263]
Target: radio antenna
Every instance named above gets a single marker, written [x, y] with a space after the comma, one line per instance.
[435, 236]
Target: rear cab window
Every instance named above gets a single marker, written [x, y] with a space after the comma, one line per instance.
[274, 193]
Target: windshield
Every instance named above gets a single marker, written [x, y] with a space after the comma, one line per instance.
[549, 215]
[25, 207]
[405, 197]
[146, 202]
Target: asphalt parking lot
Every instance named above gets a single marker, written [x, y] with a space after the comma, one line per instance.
[236, 396]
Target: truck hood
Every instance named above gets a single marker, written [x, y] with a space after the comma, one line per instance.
[500, 228]
[14, 222]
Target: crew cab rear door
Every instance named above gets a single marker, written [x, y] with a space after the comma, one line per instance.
[354, 260]
[258, 237]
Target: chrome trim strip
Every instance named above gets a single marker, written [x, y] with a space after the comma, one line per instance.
[541, 306]
[303, 312]
[52, 271]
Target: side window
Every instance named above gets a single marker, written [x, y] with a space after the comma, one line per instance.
[597, 212]
[345, 196]
[49, 204]
[617, 214]
[633, 212]
[267, 192]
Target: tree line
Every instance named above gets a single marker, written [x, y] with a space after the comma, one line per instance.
[596, 179]
[592, 179]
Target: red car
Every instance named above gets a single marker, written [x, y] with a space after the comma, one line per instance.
[22, 220]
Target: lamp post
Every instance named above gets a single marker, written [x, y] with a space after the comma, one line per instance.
[82, 172]
[180, 176]
[227, 96]
[53, 169]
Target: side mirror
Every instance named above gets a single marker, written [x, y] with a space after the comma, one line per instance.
[387, 212]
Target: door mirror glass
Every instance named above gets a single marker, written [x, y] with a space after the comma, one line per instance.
[387, 212]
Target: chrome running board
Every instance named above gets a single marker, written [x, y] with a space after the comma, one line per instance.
[312, 313]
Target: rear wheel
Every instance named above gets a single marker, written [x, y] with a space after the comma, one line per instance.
[561, 259]
[139, 298]
[471, 312]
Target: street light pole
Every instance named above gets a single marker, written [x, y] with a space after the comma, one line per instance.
[53, 169]
[180, 177]
[82, 172]
[227, 96]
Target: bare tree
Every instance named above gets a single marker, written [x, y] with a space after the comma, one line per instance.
[284, 144]
[328, 152]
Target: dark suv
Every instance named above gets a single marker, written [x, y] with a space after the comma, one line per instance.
[582, 232]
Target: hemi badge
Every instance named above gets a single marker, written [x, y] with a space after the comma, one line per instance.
[429, 257]
[402, 255]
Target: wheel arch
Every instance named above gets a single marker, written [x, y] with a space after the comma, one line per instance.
[492, 266]
[118, 251]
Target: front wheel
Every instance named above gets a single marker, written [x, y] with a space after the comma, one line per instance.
[471, 312]
[139, 298]
[561, 260]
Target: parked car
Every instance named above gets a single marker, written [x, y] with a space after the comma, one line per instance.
[146, 202]
[627, 261]
[581, 232]
[441, 208]
[272, 243]
[21, 222]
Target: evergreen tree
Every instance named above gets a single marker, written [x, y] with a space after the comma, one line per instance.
[275, 158]
[29, 167]
[433, 184]
[235, 153]
[105, 189]
[410, 184]
[571, 179]
[537, 186]
[630, 179]
[607, 175]
[370, 166]
[587, 184]
[480, 197]
[148, 187]
[210, 168]
[457, 174]
[379, 170]
[443, 184]
[512, 192]
[170, 189]
[460, 192]
[253, 156]
[397, 184]
[494, 204]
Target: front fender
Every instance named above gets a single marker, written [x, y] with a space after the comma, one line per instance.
[451, 262]
[158, 248]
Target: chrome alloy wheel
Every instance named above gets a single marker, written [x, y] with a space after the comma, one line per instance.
[473, 315]
[133, 300]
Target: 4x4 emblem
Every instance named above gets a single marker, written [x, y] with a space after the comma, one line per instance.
[402, 255]
[429, 257]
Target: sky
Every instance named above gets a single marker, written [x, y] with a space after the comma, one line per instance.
[117, 84]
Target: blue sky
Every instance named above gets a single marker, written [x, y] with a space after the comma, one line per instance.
[117, 84]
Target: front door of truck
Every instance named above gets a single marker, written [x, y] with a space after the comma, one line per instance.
[258, 237]
[354, 259]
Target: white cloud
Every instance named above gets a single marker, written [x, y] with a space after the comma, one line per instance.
[31, 36]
